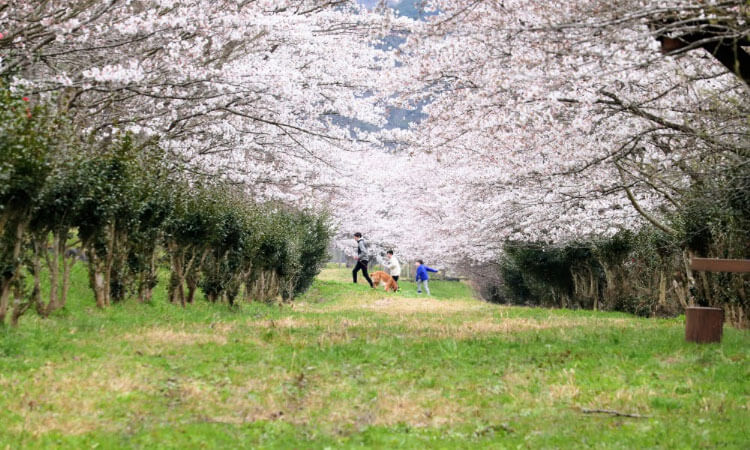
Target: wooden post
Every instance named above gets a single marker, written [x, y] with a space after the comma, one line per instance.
[706, 324]
[703, 324]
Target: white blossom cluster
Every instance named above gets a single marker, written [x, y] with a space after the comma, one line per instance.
[247, 90]
[550, 121]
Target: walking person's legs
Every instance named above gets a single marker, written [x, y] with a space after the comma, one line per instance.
[426, 287]
[364, 272]
[419, 286]
[361, 265]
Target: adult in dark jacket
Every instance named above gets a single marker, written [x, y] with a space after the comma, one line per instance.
[362, 258]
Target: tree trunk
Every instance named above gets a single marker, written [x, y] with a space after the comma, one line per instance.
[19, 305]
[146, 285]
[249, 286]
[38, 247]
[662, 288]
[681, 293]
[68, 262]
[4, 219]
[191, 279]
[109, 262]
[593, 288]
[177, 286]
[100, 267]
[100, 288]
[608, 296]
[144, 293]
[192, 286]
[148, 280]
[707, 291]
[4, 297]
[53, 265]
[177, 293]
[7, 282]
[97, 279]
[244, 282]
[686, 255]
[181, 269]
[260, 287]
[59, 282]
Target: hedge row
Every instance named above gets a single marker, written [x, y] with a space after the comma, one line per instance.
[644, 272]
[125, 208]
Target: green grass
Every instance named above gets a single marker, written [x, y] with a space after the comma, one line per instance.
[349, 367]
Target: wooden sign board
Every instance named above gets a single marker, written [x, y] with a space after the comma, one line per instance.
[720, 265]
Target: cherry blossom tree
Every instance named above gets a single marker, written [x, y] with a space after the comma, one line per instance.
[542, 121]
[246, 89]
[553, 122]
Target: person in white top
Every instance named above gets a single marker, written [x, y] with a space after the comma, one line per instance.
[393, 266]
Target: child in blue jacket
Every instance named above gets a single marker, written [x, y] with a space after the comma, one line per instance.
[422, 277]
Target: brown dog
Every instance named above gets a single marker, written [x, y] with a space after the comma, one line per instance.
[381, 278]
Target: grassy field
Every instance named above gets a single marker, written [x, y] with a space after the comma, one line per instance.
[349, 367]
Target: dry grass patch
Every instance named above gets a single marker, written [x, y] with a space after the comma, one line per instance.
[332, 330]
[221, 327]
[242, 403]
[488, 326]
[567, 390]
[419, 408]
[285, 322]
[516, 380]
[400, 306]
[178, 337]
[280, 396]
[625, 399]
[339, 331]
[66, 399]
[677, 359]
[304, 399]
[485, 327]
